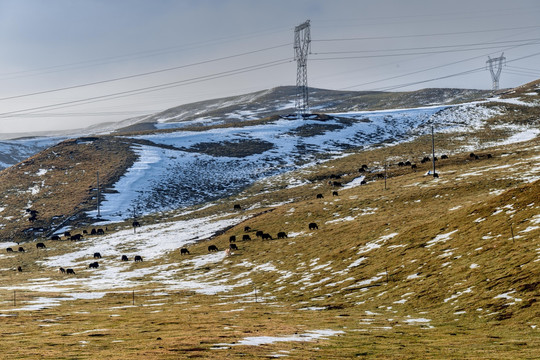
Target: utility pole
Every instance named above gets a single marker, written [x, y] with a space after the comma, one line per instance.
[385, 173]
[98, 197]
[433, 150]
[495, 74]
[302, 41]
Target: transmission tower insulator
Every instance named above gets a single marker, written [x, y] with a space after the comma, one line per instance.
[302, 41]
[495, 73]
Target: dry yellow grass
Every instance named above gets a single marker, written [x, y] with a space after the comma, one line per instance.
[425, 268]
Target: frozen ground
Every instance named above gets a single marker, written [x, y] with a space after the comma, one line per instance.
[175, 173]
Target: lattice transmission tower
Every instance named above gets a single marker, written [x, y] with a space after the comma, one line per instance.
[495, 74]
[302, 41]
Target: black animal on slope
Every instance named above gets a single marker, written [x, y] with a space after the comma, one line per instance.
[259, 233]
[313, 226]
[246, 237]
[97, 255]
[184, 251]
[93, 265]
[444, 157]
[125, 258]
[62, 270]
[76, 237]
[320, 196]
[335, 193]
[281, 235]
[237, 207]
[21, 249]
[138, 258]
[266, 236]
[9, 249]
[232, 238]
[55, 237]
[212, 248]
[247, 229]
[67, 234]
[19, 269]
[40, 245]
[233, 247]
[70, 271]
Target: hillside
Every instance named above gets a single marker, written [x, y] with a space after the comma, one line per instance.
[406, 267]
[281, 101]
[278, 101]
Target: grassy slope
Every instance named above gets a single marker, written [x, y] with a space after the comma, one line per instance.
[65, 190]
[487, 207]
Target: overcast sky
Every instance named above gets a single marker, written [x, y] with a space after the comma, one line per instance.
[117, 59]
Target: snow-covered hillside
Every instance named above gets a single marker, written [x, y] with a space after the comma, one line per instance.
[13, 151]
[183, 168]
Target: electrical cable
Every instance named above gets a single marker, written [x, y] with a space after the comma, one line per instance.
[142, 74]
[150, 88]
[421, 35]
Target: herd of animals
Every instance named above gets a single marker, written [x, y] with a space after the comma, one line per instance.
[233, 238]
[75, 237]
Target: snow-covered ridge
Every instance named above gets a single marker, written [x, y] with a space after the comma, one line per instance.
[182, 174]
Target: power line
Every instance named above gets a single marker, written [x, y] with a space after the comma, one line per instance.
[403, 54]
[150, 88]
[525, 41]
[422, 35]
[439, 66]
[143, 74]
[393, 87]
[136, 55]
[448, 76]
